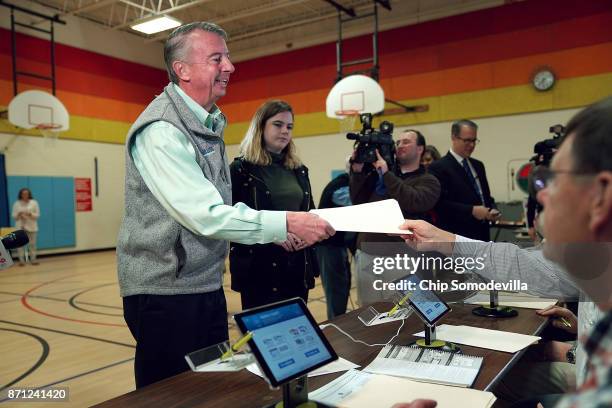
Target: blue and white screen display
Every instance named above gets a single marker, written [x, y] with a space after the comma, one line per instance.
[286, 339]
[426, 301]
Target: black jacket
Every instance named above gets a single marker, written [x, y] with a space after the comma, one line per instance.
[340, 238]
[417, 193]
[268, 265]
[458, 197]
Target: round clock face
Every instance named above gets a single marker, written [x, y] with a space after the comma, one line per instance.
[543, 80]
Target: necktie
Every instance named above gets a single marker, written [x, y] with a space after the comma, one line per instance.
[467, 169]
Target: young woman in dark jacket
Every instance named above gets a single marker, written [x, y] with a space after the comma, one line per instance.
[268, 175]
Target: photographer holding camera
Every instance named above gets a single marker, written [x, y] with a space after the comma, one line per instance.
[544, 152]
[403, 179]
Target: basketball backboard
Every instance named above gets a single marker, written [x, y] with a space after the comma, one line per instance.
[353, 95]
[38, 109]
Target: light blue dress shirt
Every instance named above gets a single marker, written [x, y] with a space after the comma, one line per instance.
[166, 160]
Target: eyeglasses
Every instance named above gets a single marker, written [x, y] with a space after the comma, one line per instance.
[542, 177]
[468, 141]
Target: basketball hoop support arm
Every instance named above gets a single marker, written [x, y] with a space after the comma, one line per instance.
[403, 108]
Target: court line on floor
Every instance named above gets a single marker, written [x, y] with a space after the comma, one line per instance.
[27, 305]
[95, 370]
[57, 300]
[41, 359]
[72, 301]
[83, 336]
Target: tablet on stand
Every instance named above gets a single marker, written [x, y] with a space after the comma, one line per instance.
[287, 344]
[430, 309]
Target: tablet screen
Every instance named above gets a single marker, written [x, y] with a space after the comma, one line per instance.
[286, 342]
[425, 302]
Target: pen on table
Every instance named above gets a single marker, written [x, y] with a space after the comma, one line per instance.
[237, 346]
[565, 322]
[399, 304]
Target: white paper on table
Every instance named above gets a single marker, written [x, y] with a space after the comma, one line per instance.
[484, 338]
[333, 367]
[512, 300]
[356, 389]
[380, 216]
[335, 391]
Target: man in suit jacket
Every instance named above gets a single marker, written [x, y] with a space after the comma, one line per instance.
[465, 206]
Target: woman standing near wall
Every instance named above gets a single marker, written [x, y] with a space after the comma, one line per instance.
[26, 213]
[268, 175]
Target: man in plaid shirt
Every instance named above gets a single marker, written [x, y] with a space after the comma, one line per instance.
[577, 196]
[577, 199]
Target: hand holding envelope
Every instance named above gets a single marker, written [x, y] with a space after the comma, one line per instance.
[380, 216]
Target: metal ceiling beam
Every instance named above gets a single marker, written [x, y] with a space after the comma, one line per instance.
[153, 13]
[327, 16]
[256, 10]
[89, 7]
[243, 14]
[341, 8]
[385, 3]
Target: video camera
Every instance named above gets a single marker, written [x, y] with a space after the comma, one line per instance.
[370, 139]
[545, 150]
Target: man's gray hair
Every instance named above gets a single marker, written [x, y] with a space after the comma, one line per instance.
[176, 45]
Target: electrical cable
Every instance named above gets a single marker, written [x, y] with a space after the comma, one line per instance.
[323, 326]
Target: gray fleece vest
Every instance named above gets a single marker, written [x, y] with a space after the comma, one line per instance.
[156, 254]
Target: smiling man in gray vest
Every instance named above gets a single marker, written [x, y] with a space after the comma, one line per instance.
[178, 218]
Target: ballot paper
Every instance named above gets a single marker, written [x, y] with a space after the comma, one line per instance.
[380, 216]
[513, 300]
[484, 338]
[333, 367]
[357, 389]
[429, 365]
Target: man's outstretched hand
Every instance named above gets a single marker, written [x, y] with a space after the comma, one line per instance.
[426, 237]
[310, 228]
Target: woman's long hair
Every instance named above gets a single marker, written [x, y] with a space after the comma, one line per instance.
[21, 192]
[252, 147]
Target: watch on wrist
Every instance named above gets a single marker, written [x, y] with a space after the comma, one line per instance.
[570, 356]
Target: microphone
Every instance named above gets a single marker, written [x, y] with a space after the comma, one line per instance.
[15, 239]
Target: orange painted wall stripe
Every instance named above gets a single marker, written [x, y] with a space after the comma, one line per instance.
[84, 105]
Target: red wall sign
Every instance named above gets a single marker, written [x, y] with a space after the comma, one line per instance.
[82, 189]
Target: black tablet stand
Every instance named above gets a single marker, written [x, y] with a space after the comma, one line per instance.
[494, 309]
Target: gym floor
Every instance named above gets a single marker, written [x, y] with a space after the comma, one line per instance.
[61, 325]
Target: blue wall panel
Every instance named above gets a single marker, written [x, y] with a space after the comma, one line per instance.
[55, 196]
[42, 191]
[63, 211]
[5, 210]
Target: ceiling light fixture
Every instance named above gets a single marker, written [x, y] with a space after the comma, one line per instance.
[156, 25]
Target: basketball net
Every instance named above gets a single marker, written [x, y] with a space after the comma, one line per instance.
[50, 132]
[348, 121]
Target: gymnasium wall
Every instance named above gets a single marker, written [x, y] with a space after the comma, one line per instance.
[477, 65]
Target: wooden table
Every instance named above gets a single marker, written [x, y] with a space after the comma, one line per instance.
[243, 389]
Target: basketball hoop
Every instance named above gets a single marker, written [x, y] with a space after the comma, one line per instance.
[50, 131]
[348, 120]
[35, 109]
